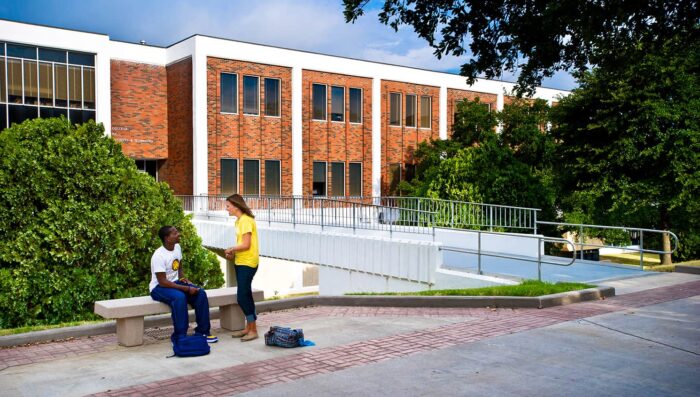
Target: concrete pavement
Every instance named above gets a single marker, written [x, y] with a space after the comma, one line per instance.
[645, 341]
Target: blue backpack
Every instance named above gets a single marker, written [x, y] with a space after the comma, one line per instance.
[191, 346]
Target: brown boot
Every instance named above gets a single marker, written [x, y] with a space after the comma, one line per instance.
[240, 333]
[249, 336]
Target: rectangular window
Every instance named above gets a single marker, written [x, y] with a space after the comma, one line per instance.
[31, 83]
[394, 179]
[88, 88]
[272, 97]
[394, 109]
[79, 58]
[487, 106]
[3, 93]
[426, 111]
[21, 51]
[229, 93]
[251, 177]
[14, 81]
[46, 54]
[61, 85]
[410, 172]
[229, 176]
[45, 84]
[75, 87]
[319, 102]
[337, 103]
[149, 167]
[410, 110]
[272, 177]
[19, 113]
[319, 181]
[337, 179]
[251, 95]
[355, 172]
[355, 105]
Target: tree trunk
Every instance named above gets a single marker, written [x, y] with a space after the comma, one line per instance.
[666, 238]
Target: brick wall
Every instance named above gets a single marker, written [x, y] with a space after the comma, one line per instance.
[335, 141]
[248, 137]
[454, 96]
[140, 109]
[178, 168]
[400, 142]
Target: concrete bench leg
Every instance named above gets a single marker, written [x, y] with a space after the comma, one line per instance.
[231, 317]
[130, 331]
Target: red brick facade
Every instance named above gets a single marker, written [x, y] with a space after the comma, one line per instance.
[177, 169]
[336, 141]
[140, 109]
[399, 143]
[454, 96]
[248, 137]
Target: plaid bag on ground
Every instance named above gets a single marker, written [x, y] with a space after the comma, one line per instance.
[284, 337]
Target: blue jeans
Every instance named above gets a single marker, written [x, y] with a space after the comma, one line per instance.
[244, 279]
[178, 301]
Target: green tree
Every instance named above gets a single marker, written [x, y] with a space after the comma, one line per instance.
[537, 37]
[477, 164]
[629, 144]
[79, 224]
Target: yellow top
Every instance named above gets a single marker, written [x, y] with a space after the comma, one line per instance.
[246, 224]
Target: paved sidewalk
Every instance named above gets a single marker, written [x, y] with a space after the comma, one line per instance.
[644, 342]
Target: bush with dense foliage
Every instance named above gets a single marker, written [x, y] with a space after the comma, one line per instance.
[79, 224]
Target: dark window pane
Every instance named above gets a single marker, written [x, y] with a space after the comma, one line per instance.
[355, 105]
[272, 97]
[61, 85]
[3, 89]
[152, 168]
[394, 178]
[251, 94]
[21, 51]
[229, 176]
[319, 102]
[2, 48]
[426, 111]
[410, 110]
[19, 113]
[410, 172]
[46, 54]
[355, 179]
[88, 115]
[395, 109]
[46, 113]
[79, 58]
[229, 93]
[272, 177]
[3, 117]
[337, 179]
[251, 177]
[75, 87]
[14, 80]
[88, 88]
[77, 116]
[45, 84]
[337, 103]
[319, 181]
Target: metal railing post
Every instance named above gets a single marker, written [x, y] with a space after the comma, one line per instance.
[490, 218]
[452, 214]
[354, 217]
[478, 251]
[539, 259]
[580, 237]
[294, 212]
[535, 222]
[322, 200]
[641, 249]
[269, 211]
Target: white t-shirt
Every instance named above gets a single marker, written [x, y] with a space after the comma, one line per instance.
[164, 261]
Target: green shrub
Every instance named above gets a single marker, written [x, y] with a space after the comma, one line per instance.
[79, 223]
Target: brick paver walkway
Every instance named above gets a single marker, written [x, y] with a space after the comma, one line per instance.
[478, 324]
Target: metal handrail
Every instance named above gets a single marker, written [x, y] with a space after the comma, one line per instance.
[539, 261]
[641, 249]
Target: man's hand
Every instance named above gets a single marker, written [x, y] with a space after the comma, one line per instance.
[184, 280]
[192, 290]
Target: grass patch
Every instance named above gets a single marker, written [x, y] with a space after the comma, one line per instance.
[672, 267]
[278, 297]
[526, 288]
[32, 328]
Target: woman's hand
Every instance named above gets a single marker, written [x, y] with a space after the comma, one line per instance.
[229, 253]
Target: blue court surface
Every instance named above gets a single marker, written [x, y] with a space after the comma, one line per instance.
[579, 271]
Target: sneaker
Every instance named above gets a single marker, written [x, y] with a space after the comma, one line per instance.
[211, 338]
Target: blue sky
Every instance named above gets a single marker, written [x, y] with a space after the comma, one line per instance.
[311, 25]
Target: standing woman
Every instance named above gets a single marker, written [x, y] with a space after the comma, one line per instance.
[245, 257]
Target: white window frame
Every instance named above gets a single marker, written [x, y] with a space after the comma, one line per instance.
[362, 102]
[237, 93]
[243, 104]
[279, 100]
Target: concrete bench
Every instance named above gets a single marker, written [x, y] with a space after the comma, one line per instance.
[129, 312]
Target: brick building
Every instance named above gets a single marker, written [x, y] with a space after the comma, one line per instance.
[216, 116]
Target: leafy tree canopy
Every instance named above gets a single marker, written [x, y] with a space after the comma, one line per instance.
[79, 224]
[629, 149]
[538, 38]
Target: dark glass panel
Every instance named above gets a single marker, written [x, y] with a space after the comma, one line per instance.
[426, 111]
[319, 181]
[46, 113]
[337, 179]
[46, 54]
[337, 104]
[251, 177]
[319, 102]
[395, 109]
[61, 85]
[21, 51]
[355, 179]
[75, 87]
[251, 93]
[45, 84]
[355, 105]
[88, 88]
[394, 179]
[79, 58]
[19, 113]
[272, 97]
[229, 176]
[410, 111]
[272, 177]
[229, 93]
[14, 80]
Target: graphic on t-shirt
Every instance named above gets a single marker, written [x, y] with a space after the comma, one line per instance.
[176, 264]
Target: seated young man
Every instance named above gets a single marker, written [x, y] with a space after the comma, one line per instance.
[169, 285]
